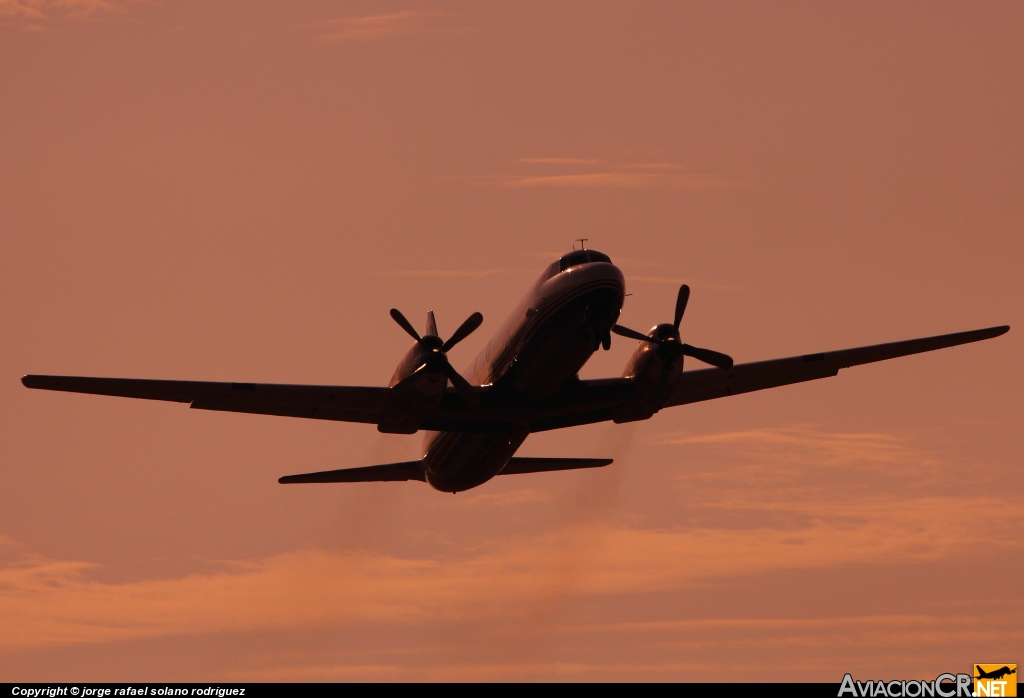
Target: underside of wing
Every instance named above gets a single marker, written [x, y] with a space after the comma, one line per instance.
[708, 384]
[390, 472]
[518, 466]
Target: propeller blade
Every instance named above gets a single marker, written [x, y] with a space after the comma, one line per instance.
[460, 383]
[681, 301]
[465, 329]
[404, 324]
[633, 334]
[713, 358]
[431, 324]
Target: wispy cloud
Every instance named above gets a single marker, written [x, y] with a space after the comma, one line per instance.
[650, 166]
[791, 477]
[736, 647]
[53, 602]
[596, 174]
[37, 15]
[622, 180]
[748, 506]
[506, 499]
[402, 23]
[804, 452]
[454, 273]
[560, 161]
[671, 281]
[804, 442]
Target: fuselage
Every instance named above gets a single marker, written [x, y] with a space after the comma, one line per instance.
[561, 321]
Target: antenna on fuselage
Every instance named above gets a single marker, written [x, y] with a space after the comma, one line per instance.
[581, 241]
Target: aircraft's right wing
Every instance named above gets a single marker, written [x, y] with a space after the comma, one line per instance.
[708, 384]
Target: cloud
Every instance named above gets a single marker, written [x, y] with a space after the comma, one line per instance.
[641, 175]
[706, 649]
[506, 499]
[52, 602]
[752, 512]
[651, 166]
[480, 671]
[454, 273]
[560, 161]
[676, 282]
[34, 15]
[803, 443]
[807, 458]
[620, 180]
[402, 23]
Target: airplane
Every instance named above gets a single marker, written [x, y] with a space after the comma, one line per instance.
[525, 380]
[995, 675]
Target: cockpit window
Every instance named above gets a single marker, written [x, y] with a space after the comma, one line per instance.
[578, 257]
[573, 259]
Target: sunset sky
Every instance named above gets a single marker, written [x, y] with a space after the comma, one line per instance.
[240, 191]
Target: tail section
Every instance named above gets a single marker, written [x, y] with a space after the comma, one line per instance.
[413, 470]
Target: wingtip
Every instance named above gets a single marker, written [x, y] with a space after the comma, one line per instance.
[30, 381]
[990, 332]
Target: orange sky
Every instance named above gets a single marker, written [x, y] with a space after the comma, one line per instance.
[240, 191]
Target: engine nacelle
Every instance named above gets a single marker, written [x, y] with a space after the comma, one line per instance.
[418, 385]
[654, 369]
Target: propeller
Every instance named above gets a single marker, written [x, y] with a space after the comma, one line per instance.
[667, 337]
[437, 360]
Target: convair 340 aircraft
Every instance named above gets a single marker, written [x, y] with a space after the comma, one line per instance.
[525, 380]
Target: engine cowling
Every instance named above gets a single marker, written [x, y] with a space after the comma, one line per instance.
[421, 377]
[414, 389]
[657, 363]
[654, 368]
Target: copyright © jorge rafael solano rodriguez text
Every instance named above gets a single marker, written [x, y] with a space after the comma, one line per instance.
[126, 691]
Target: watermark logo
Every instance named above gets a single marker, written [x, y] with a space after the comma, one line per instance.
[990, 681]
[943, 686]
[995, 680]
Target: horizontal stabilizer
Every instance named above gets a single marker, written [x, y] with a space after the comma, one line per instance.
[518, 466]
[390, 472]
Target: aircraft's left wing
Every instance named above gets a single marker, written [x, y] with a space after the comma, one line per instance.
[707, 384]
[590, 401]
[340, 403]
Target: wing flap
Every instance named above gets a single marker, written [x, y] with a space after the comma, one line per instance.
[270, 408]
[389, 472]
[519, 466]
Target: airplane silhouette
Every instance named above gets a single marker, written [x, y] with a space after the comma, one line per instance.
[995, 674]
[525, 380]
